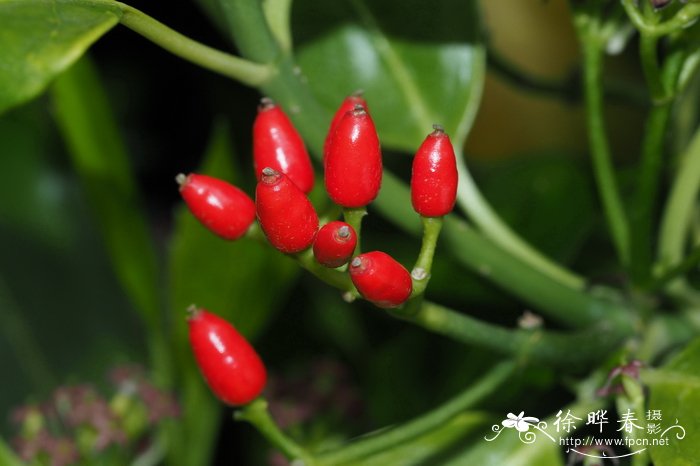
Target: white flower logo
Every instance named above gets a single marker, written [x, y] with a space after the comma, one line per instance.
[520, 422]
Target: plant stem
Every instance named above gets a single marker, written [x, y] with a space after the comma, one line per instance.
[648, 53]
[333, 277]
[682, 19]
[662, 84]
[560, 349]
[680, 269]
[421, 270]
[256, 413]
[587, 28]
[679, 209]
[245, 71]
[353, 217]
[435, 418]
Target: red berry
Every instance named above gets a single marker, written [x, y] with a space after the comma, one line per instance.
[285, 213]
[334, 244]
[353, 163]
[348, 105]
[231, 367]
[277, 144]
[434, 177]
[221, 207]
[380, 279]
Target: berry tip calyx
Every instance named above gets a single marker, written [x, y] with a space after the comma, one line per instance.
[439, 129]
[269, 175]
[181, 179]
[266, 103]
[193, 311]
[344, 231]
[359, 110]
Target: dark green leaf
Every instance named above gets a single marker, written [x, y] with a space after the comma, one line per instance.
[675, 392]
[556, 228]
[84, 116]
[418, 62]
[39, 39]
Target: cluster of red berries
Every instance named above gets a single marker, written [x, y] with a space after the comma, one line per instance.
[352, 165]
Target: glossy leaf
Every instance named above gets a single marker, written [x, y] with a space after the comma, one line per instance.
[418, 62]
[675, 392]
[39, 39]
[85, 119]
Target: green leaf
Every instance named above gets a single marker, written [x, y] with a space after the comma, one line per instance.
[85, 119]
[39, 39]
[418, 62]
[675, 391]
[556, 228]
[430, 449]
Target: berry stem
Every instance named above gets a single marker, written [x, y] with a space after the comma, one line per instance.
[257, 414]
[566, 350]
[333, 277]
[683, 17]
[354, 218]
[421, 270]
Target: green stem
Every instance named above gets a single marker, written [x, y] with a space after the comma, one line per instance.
[648, 53]
[679, 209]
[662, 84]
[682, 19]
[680, 269]
[333, 277]
[353, 217]
[256, 413]
[245, 71]
[569, 350]
[587, 28]
[435, 418]
[421, 270]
